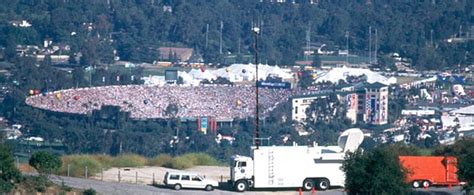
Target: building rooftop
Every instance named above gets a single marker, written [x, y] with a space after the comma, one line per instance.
[469, 110]
[376, 85]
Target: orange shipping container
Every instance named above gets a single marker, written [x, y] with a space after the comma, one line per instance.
[424, 171]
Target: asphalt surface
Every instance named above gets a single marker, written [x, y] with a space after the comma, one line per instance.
[126, 188]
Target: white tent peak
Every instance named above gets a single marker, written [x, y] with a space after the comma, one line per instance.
[336, 74]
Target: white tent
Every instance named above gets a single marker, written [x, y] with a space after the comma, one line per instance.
[238, 73]
[336, 74]
[201, 75]
[188, 79]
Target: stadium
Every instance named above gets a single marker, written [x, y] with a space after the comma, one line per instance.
[151, 102]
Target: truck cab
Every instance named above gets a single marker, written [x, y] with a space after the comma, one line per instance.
[241, 170]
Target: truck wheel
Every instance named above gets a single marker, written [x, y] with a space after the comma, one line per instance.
[209, 188]
[241, 186]
[426, 184]
[177, 187]
[308, 184]
[415, 184]
[323, 184]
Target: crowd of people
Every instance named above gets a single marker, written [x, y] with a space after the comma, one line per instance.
[146, 102]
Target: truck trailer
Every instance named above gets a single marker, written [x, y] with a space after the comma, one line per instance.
[294, 166]
[424, 171]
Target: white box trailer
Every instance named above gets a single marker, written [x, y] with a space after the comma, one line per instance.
[294, 166]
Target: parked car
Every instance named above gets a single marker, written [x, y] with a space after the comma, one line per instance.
[178, 180]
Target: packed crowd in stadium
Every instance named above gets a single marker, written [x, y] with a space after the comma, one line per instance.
[146, 102]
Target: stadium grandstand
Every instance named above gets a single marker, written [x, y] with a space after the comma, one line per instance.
[151, 102]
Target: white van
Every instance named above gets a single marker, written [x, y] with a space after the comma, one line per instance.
[178, 180]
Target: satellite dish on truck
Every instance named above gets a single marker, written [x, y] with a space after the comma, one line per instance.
[350, 140]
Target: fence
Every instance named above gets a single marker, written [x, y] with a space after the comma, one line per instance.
[144, 175]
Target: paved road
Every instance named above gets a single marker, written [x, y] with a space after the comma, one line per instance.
[127, 188]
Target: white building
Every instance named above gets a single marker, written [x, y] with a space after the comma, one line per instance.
[301, 104]
[464, 117]
[418, 112]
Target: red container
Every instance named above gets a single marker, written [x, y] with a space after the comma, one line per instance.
[424, 171]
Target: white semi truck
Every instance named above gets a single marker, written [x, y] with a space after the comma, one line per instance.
[294, 166]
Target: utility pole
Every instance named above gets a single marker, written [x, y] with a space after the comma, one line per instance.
[376, 46]
[308, 42]
[220, 42]
[238, 50]
[207, 34]
[256, 32]
[347, 47]
[460, 30]
[431, 37]
[370, 44]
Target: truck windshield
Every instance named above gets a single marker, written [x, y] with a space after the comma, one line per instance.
[242, 164]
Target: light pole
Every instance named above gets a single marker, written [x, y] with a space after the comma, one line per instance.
[256, 32]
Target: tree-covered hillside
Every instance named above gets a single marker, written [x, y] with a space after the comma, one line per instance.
[135, 28]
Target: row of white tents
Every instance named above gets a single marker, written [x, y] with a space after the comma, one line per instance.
[336, 74]
[235, 73]
[247, 72]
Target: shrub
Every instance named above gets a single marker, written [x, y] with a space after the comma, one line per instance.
[374, 172]
[9, 174]
[129, 160]
[183, 162]
[45, 162]
[180, 162]
[89, 191]
[201, 159]
[65, 187]
[94, 163]
[37, 183]
[160, 160]
[78, 163]
[105, 160]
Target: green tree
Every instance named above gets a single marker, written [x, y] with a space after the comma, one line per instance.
[316, 61]
[465, 168]
[326, 108]
[10, 50]
[414, 132]
[2, 137]
[464, 151]
[374, 172]
[9, 174]
[45, 162]
[326, 116]
[306, 79]
[72, 59]
[395, 107]
[78, 77]
[47, 60]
